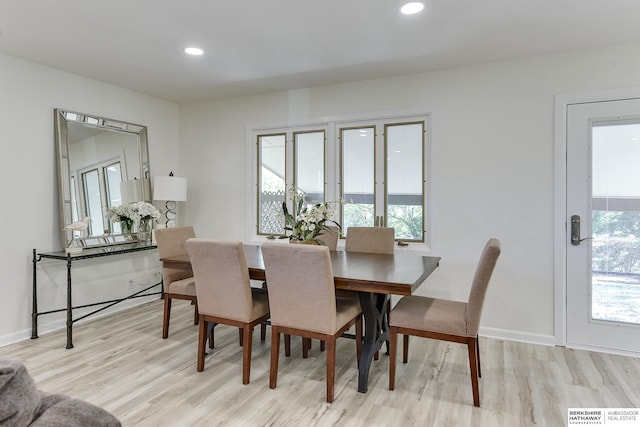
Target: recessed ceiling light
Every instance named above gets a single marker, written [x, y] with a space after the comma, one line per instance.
[193, 51]
[412, 8]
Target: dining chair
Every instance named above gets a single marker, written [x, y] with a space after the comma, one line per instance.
[376, 240]
[446, 320]
[303, 303]
[177, 284]
[329, 238]
[225, 295]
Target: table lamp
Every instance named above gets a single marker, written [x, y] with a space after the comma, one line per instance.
[131, 191]
[171, 189]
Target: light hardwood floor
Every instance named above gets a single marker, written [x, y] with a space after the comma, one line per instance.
[121, 363]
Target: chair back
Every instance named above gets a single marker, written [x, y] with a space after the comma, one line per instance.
[377, 240]
[329, 238]
[301, 288]
[222, 279]
[172, 242]
[479, 285]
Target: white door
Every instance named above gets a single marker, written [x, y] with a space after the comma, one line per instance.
[603, 225]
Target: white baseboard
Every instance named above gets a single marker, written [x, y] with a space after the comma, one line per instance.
[508, 335]
[56, 325]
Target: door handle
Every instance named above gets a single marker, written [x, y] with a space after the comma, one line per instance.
[575, 231]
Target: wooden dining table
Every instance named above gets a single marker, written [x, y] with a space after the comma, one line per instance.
[374, 276]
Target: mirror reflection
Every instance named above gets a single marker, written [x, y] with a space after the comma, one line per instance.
[102, 163]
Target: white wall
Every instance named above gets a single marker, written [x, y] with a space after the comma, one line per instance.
[29, 213]
[492, 166]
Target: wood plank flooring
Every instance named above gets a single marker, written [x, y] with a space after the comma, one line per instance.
[122, 364]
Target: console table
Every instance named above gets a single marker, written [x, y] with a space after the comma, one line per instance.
[70, 259]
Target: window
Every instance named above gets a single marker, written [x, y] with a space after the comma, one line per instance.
[100, 191]
[377, 167]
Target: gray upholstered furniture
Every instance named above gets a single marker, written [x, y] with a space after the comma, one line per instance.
[225, 295]
[303, 302]
[178, 284]
[447, 320]
[22, 404]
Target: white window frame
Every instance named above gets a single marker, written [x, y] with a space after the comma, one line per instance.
[332, 127]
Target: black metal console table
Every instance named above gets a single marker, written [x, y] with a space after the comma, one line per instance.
[70, 258]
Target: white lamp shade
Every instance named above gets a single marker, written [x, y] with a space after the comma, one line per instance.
[131, 190]
[172, 188]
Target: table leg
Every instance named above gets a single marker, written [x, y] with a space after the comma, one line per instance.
[376, 331]
[34, 307]
[69, 305]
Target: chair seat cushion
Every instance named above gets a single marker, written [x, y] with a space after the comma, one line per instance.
[183, 287]
[430, 314]
[346, 310]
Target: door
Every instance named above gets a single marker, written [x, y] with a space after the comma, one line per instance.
[603, 225]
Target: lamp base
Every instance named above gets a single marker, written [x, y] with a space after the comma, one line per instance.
[170, 213]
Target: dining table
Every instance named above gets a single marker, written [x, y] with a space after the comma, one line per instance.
[375, 277]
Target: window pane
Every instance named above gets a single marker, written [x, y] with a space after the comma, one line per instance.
[113, 177]
[405, 198]
[93, 206]
[271, 183]
[358, 177]
[309, 165]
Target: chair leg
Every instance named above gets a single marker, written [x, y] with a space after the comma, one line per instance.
[473, 364]
[166, 317]
[240, 338]
[331, 367]
[306, 344]
[275, 352]
[287, 344]
[322, 345]
[405, 348]
[246, 354]
[393, 344]
[263, 331]
[196, 313]
[478, 356]
[202, 338]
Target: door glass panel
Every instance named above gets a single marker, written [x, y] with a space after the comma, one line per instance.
[309, 164]
[271, 183]
[358, 181]
[616, 222]
[405, 197]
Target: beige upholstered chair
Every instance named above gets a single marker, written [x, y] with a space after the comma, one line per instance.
[225, 295]
[446, 320]
[329, 238]
[303, 302]
[178, 284]
[377, 240]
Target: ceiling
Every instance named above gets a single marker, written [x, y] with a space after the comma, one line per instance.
[257, 46]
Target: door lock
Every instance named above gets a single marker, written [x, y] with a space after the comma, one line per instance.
[575, 231]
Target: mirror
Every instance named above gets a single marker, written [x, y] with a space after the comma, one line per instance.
[101, 163]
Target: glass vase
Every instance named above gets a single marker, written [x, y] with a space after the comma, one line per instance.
[144, 232]
[126, 227]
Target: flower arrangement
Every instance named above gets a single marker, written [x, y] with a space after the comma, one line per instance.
[141, 213]
[308, 220]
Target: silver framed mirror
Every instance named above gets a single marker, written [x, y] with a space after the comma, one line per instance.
[102, 163]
